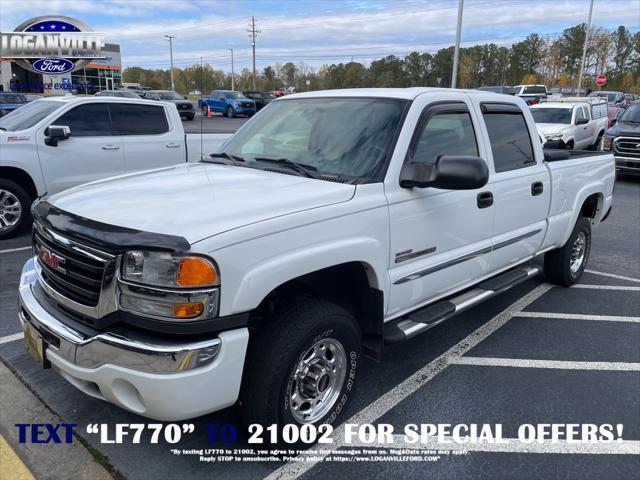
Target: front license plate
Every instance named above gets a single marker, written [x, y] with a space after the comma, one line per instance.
[35, 345]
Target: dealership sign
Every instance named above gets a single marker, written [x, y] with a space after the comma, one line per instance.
[52, 45]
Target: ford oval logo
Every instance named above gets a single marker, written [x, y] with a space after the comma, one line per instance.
[53, 66]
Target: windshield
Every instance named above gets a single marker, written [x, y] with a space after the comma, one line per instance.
[168, 95]
[348, 137]
[631, 114]
[29, 115]
[232, 94]
[611, 97]
[12, 99]
[552, 115]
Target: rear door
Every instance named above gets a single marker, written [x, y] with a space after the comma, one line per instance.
[149, 138]
[92, 152]
[520, 182]
[440, 239]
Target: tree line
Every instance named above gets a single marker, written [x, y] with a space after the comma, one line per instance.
[554, 61]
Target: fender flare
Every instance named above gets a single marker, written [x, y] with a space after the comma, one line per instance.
[596, 188]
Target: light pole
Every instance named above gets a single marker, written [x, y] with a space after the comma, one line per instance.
[456, 52]
[173, 86]
[233, 85]
[584, 48]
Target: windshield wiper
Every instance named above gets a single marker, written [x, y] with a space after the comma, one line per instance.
[234, 159]
[306, 170]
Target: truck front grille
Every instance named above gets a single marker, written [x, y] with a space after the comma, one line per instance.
[75, 274]
[627, 146]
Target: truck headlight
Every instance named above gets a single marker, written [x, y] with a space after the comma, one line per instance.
[165, 269]
[555, 136]
[606, 143]
[168, 286]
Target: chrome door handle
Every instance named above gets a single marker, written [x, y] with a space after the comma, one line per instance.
[110, 147]
[172, 145]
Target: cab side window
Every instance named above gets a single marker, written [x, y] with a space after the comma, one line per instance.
[88, 120]
[445, 133]
[579, 114]
[509, 136]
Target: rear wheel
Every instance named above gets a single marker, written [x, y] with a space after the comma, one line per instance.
[303, 366]
[565, 265]
[570, 145]
[596, 146]
[230, 112]
[15, 206]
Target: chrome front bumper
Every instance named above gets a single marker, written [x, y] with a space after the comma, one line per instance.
[137, 351]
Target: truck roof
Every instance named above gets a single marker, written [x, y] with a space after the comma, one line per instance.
[567, 105]
[402, 93]
[101, 99]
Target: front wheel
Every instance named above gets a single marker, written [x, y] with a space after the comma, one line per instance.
[14, 208]
[303, 366]
[565, 265]
[230, 112]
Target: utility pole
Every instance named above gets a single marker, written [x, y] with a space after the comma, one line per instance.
[584, 48]
[173, 86]
[233, 84]
[253, 33]
[456, 53]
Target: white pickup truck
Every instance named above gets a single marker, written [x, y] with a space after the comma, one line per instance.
[575, 123]
[331, 225]
[56, 143]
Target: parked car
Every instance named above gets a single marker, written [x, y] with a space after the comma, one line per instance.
[531, 94]
[623, 139]
[615, 99]
[9, 101]
[613, 113]
[571, 123]
[261, 98]
[629, 98]
[329, 226]
[133, 88]
[56, 143]
[117, 93]
[227, 102]
[183, 105]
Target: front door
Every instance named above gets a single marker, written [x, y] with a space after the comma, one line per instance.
[91, 153]
[440, 239]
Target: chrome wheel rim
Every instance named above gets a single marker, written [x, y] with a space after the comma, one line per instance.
[577, 252]
[317, 380]
[10, 210]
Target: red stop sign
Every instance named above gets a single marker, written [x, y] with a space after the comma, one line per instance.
[601, 80]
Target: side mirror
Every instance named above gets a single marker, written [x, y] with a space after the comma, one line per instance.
[451, 172]
[614, 121]
[582, 121]
[185, 97]
[55, 133]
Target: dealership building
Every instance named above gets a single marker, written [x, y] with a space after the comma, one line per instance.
[100, 74]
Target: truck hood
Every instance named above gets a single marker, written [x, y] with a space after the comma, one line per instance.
[625, 128]
[196, 201]
[552, 128]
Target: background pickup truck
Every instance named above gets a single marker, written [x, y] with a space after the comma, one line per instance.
[331, 225]
[576, 123]
[227, 102]
[623, 140]
[56, 143]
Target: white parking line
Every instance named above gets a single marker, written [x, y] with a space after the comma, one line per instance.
[620, 277]
[19, 249]
[558, 364]
[513, 445]
[401, 391]
[578, 316]
[11, 338]
[621, 288]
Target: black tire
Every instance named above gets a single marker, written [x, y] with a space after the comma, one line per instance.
[205, 111]
[596, 146]
[24, 201]
[557, 263]
[278, 349]
[569, 145]
[230, 112]
[191, 117]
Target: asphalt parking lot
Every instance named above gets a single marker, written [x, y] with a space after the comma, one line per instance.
[536, 354]
[216, 124]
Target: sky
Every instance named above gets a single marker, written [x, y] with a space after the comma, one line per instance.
[314, 32]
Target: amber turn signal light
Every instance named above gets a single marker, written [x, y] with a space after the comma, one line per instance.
[196, 272]
[187, 310]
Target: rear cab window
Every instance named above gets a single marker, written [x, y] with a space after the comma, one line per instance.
[135, 119]
[509, 136]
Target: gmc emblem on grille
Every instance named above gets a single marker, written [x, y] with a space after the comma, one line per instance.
[52, 260]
